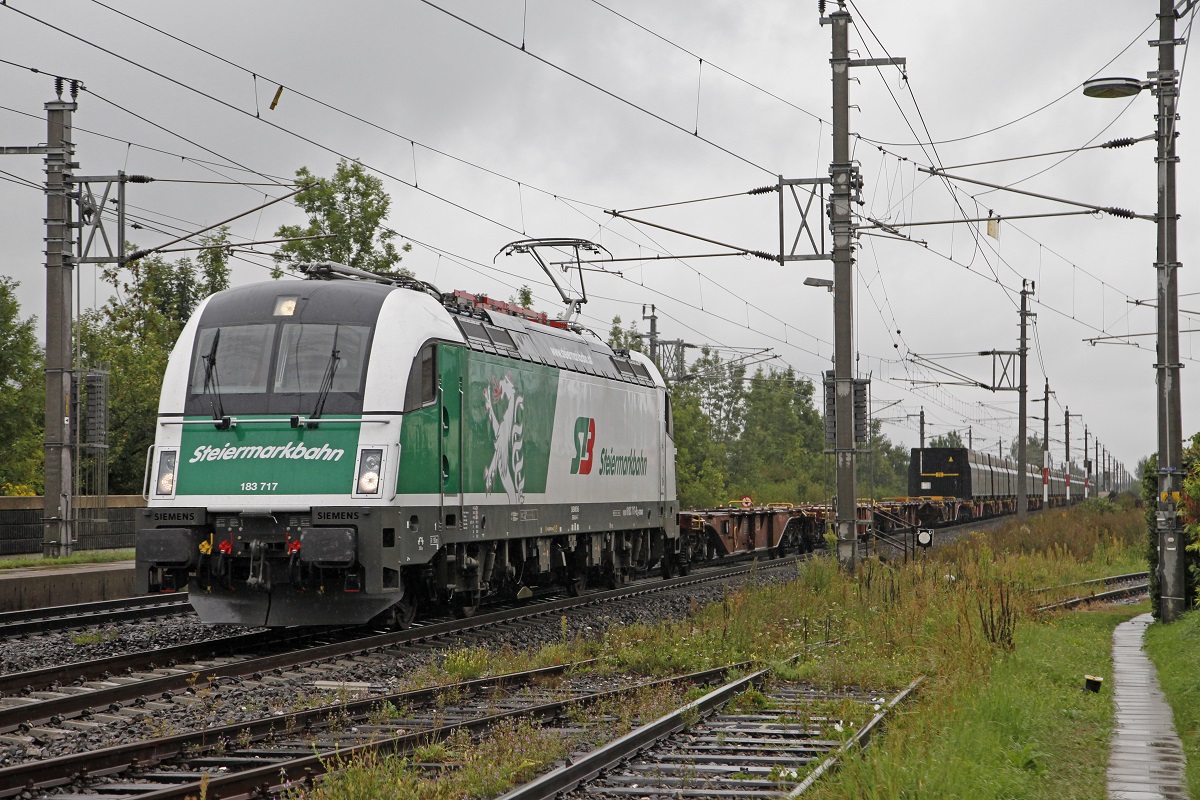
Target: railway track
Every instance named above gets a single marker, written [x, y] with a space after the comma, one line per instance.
[59, 710]
[756, 736]
[82, 615]
[235, 760]
[1098, 590]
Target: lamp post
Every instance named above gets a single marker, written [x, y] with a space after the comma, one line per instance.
[1164, 83]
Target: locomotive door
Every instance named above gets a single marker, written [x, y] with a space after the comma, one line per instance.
[450, 442]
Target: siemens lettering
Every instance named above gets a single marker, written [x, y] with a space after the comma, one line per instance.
[613, 464]
[293, 450]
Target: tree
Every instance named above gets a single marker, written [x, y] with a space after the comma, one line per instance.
[777, 456]
[523, 297]
[22, 398]
[700, 459]
[132, 335]
[351, 207]
[949, 439]
[1033, 449]
[722, 393]
[624, 338]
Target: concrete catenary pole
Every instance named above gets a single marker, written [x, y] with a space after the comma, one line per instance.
[60, 262]
[1022, 413]
[1087, 466]
[1046, 447]
[1067, 449]
[843, 174]
[1171, 561]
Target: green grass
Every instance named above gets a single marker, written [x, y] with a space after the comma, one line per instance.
[1173, 650]
[1026, 731]
[1003, 714]
[82, 557]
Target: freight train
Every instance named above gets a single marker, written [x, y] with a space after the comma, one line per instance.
[338, 450]
[987, 485]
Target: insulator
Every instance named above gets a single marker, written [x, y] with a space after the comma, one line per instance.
[58, 84]
[138, 179]
[821, 7]
[1124, 213]
[763, 190]
[1126, 142]
[762, 255]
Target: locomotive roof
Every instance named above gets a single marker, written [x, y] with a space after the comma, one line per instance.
[349, 301]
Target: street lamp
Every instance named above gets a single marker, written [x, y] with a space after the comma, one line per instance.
[1164, 83]
[822, 282]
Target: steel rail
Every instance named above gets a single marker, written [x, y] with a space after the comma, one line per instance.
[859, 740]
[568, 777]
[38, 620]
[1105, 581]
[1113, 594]
[275, 776]
[66, 769]
[42, 711]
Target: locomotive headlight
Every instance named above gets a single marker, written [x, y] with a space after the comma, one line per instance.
[165, 485]
[370, 467]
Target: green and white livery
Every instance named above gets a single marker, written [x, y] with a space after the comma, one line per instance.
[336, 451]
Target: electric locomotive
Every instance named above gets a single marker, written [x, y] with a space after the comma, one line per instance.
[989, 483]
[336, 450]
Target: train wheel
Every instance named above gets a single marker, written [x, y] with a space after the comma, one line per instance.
[577, 582]
[465, 605]
[670, 567]
[404, 612]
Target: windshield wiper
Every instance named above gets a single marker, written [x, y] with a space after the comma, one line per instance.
[211, 381]
[326, 381]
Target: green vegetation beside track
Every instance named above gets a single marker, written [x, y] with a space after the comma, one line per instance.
[82, 557]
[1173, 650]
[1003, 713]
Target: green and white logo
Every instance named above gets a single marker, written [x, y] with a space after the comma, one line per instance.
[585, 439]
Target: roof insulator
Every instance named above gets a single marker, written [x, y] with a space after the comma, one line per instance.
[763, 190]
[1124, 213]
[1126, 142]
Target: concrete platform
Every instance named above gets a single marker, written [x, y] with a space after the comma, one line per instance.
[1146, 760]
[40, 587]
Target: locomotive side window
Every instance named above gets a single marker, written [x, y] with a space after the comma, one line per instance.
[670, 423]
[477, 337]
[422, 379]
[232, 359]
[624, 368]
[312, 355]
[501, 338]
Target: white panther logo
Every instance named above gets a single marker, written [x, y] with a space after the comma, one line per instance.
[508, 461]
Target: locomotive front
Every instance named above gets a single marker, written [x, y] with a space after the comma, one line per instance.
[274, 447]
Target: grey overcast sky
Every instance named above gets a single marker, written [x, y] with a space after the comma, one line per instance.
[481, 121]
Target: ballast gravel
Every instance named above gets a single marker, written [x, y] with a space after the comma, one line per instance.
[216, 701]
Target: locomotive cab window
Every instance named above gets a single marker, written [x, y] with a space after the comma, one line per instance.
[233, 359]
[313, 357]
[422, 379]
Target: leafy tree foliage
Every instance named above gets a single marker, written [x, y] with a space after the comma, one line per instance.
[22, 397]
[763, 436]
[623, 338]
[132, 335]
[1033, 449]
[948, 439]
[352, 206]
[523, 297]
